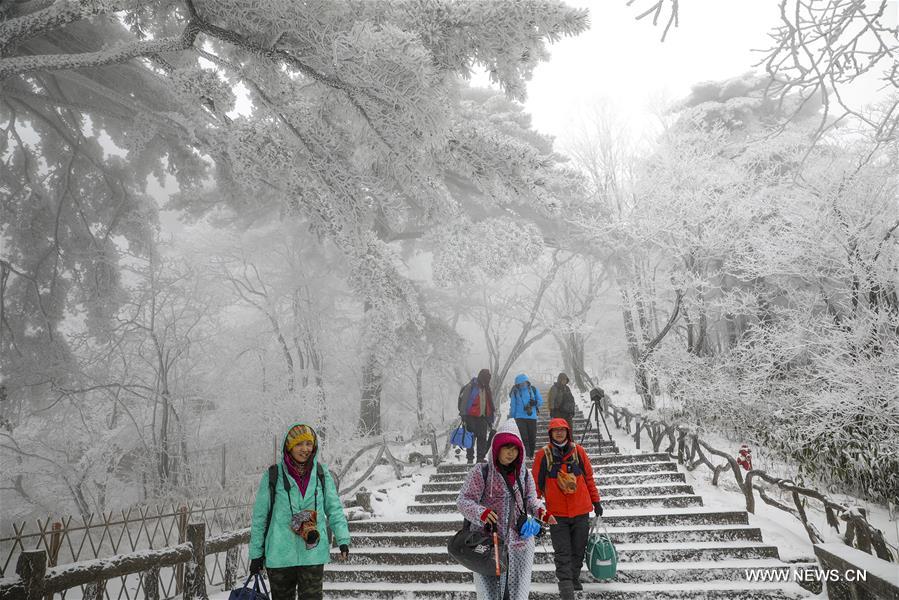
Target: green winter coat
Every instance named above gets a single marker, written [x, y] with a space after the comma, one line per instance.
[284, 548]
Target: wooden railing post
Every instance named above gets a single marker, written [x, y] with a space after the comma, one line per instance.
[95, 590]
[195, 574]
[232, 561]
[638, 423]
[55, 545]
[151, 583]
[182, 537]
[433, 436]
[363, 499]
[31, 568]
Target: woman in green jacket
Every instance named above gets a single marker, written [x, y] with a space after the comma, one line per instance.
[292, 545]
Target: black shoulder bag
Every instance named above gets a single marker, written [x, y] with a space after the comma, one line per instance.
[474, 549]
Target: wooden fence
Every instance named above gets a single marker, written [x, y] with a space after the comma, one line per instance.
[34, 580]
[692, 452]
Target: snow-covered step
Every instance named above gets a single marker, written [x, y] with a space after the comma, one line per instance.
[628, 458]
[681, 534]
[725, 590]
[652, 488]
[591, 446]
[624, 502]
[613, 519]
[603, 478]
[643, 572]
[644, 489]
[627, 553]
[446, 492]
[607, 492]
[458, 474]
[600, 460]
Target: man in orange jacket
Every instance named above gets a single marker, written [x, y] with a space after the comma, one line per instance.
[564, 477]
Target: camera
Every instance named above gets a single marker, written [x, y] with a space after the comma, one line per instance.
[596, 395]
[530, 406]
[305, 525]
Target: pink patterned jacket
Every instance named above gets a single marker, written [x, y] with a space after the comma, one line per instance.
[497, 499]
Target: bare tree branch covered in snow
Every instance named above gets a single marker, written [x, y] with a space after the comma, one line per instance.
[821, 47]
[818, 50]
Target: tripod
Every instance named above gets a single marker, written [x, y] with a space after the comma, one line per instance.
[596, 414]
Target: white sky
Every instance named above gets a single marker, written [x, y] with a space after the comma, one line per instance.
[621, 61]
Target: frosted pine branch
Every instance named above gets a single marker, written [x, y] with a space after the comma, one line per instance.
[54, 16]
[55, 62]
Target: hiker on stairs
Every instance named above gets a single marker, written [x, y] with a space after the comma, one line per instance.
[289, 534]
[502, 494]
[525, 401]
[478, 412]
[561, 401]
[564, 478]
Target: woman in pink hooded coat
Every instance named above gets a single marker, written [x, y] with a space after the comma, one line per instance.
[498, 493]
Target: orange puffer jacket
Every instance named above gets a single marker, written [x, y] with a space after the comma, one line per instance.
[558, 503]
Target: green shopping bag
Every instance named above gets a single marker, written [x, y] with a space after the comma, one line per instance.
[602, 558]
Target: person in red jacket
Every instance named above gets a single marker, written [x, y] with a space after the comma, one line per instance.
[564, 477]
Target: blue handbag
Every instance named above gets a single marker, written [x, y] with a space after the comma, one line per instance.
[462, 437]
[251, 593]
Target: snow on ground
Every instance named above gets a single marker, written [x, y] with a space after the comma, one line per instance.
[780, 527]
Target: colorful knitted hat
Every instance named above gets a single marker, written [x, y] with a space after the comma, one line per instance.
[297, 434]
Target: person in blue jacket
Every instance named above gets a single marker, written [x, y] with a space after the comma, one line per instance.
[525, 402]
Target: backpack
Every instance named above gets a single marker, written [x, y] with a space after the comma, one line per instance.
[567, 482]
[272, 478]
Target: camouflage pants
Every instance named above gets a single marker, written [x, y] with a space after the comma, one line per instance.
[290, 583]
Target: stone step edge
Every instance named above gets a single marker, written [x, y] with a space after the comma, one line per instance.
[699, 565]
[646, 529]
[551, 587]
[638, 547]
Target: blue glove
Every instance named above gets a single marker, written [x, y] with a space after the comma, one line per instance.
[530, 527]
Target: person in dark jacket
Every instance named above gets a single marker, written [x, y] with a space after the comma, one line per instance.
[524, 403]
[478, 413]
[291, 543]
[561, 401]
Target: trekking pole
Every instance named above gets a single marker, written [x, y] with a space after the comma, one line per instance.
[496, 551]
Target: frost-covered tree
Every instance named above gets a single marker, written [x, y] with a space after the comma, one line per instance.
[786, 252]
[120, 420]
[349, 118]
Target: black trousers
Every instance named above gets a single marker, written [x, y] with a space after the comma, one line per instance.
[569, 544]
[528, 430]
[290, 583]
[480, 427]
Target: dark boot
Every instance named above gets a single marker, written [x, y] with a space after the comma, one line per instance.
[577, 585]
[566, 589]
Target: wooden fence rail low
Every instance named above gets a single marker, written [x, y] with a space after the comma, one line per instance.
[35, 581]
[692, 452]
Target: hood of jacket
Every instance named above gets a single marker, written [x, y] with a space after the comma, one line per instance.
[521, 378]
[506, 434]
[555, 424]
[483, 378]
[562, 379]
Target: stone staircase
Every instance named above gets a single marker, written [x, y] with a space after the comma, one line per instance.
[669, 545]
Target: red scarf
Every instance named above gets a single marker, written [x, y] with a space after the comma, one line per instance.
[299, 473]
